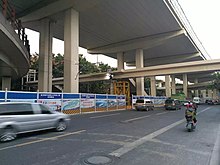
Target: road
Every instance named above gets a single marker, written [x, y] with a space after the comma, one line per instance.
[122, 138]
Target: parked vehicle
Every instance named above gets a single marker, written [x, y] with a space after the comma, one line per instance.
[142, 104]
[198, 100]
[210, 102]
[172, 104]
[16, 118]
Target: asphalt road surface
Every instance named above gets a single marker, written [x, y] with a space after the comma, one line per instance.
[122, 138]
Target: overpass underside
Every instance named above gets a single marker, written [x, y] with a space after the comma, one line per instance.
[14, 48]
[142, 33]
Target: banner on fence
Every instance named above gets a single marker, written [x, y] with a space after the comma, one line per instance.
[67, 102]
[52, 100]
[157, 100]
[121, 102]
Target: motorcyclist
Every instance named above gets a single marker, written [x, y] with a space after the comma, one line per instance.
[191, 111]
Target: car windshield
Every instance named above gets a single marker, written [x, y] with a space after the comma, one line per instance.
[169, 101]
[140, 101]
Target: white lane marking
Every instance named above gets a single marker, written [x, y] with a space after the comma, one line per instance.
[181, 147]
[130, 146]
[104, 115]
[137, 118]
[215, 160]
[106, 134]
[161, 113]
[41, 140]
[204, 110]
[122, 143]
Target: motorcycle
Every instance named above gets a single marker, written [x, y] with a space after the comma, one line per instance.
[190, 125]
[190, 115]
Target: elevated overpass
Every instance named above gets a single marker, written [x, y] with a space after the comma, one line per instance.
[14, 54]
[141, 33]
[160, 70]
[147, 34]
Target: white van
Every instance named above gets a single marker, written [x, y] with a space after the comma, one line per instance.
[197, 100]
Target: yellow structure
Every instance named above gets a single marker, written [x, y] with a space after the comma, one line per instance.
[122, 88]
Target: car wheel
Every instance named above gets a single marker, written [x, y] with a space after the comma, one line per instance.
[8, 134]
[61, 125]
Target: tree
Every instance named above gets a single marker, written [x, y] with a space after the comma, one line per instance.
[58, 65]
[85, 67]
[216, 81]
[34, 64]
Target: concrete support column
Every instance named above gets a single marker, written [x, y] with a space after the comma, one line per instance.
[6, 83]
[196, 91]
[167, 86]
[139, 56]
[71, 54]
[173, 84]
[203, 93]
[153, 86]
[120, 61]
[210, 93]
[215, 94]
[185, 85]
[45, 56]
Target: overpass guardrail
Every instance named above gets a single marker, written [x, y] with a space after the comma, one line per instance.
[9, 14]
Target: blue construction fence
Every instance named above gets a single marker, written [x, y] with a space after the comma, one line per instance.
[69, 103]
[158, 101]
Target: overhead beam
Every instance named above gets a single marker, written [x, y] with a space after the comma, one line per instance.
[143, 42]
[168, 59]
[169, 69]
[191, 87]
[38, 12]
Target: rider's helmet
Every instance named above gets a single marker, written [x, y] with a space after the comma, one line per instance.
[189, 105]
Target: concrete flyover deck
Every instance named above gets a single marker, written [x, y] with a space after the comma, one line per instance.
[108, 27]
[141, 33]
[14, 57]
[160, 70]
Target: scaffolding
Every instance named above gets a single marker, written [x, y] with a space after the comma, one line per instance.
[122, 88]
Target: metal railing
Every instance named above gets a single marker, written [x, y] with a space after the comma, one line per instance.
[9, 13]
[177, 9]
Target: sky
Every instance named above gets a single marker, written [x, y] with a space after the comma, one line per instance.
[202, 15]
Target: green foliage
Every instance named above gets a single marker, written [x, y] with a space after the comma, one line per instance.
[179, 96]
[58, 66]
[85, 67]
[34, 61]
[216, 81]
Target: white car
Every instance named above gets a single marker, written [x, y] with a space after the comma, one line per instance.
[142, 104]
[16, 118]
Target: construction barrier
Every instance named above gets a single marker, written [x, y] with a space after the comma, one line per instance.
[158, 101]
[69, 103]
